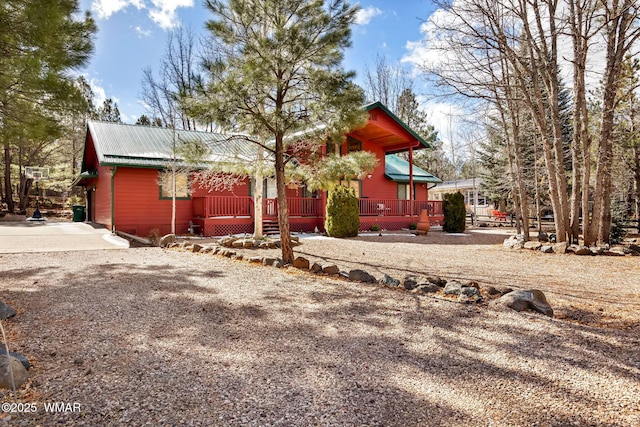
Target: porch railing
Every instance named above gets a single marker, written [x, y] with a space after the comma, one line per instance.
[232, 206]
[220, 206]
[394, 207]
[298, 206]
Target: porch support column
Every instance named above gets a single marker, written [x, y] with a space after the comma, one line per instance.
[411, 195]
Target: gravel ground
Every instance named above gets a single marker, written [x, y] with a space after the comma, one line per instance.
[148, 336]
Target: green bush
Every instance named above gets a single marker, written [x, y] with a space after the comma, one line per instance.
[455, 213]
[374, 227]
[343, 216]
[413, 226]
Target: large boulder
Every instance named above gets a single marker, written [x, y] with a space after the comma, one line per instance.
[12, 369]
[25, 362]
[526, 300]
[6, 311]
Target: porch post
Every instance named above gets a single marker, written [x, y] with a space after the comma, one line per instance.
[411, 195]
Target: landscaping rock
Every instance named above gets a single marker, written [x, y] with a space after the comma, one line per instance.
[439, 281]
[389, 281]
[635, 249]
[546, 249]
[228, 241]
[453, 287]
[278, 263]
[543, 237]
[6, 311]
[196, 247]
[582, 250]
[514, 242]
[596, 250]
[330, 269]
[167, 239]
[469, 295]
[615, 251]
[526, 299]
[560, 248]
[268, 260]
[248, 243]
[361, 276]
[534, 246]
[410, 282]
[491, 291]
[316, 267]
[256, 259]
[20, 357]
[428, 288]
[10, 367]
[237, 244]
[301, 263]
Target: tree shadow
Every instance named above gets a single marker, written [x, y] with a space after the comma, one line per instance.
[302, 350]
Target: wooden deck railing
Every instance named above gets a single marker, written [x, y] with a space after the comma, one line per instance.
[394, 207]
[222, 206]
[217, 206]
[298, 206]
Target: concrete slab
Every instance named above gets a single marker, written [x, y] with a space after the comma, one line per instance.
[42, 236]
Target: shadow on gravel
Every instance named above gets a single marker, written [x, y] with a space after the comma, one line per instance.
[168, 346]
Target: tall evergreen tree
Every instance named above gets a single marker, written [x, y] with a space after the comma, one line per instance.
[276, 71]
[40, 41]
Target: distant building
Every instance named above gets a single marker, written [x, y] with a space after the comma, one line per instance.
[474, 198]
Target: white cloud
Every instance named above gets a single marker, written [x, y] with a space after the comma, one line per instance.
[164, 12]
[142, 32]
[99, 94]
[364, 16]
[105, 8]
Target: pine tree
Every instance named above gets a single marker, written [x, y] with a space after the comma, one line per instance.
[276, 70]
[40, 43]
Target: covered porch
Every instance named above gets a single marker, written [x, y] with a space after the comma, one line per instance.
[223, 215]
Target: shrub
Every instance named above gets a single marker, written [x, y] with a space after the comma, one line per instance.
[455, 213]
[375, 227]
[343, 215]
[413, 226]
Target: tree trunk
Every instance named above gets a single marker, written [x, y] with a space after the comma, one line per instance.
[7, 179]
[257, 205]
[636, 176]
[283, 204]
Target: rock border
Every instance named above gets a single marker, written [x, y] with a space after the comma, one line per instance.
[433, 286]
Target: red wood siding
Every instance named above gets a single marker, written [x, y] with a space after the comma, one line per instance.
[138, 207]
[102, 197]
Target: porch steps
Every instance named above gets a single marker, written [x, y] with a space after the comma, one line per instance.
[270, 227]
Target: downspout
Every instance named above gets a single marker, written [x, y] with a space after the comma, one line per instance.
[113, 192]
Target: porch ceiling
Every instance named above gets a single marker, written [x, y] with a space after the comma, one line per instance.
[389, 141]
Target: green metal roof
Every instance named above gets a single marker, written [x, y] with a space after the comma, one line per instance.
[397, 169]
[145, 146]
[380, 105]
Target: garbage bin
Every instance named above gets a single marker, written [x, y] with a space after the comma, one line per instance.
[78, 213]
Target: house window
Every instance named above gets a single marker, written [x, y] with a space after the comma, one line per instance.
[353, 183]
[403, 191]
[182, 185]
[353, 145]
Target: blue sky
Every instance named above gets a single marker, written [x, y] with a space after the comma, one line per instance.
[132, 36]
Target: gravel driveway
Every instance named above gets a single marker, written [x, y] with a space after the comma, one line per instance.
[163, 337]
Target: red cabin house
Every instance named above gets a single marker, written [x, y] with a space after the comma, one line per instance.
[124, 175]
